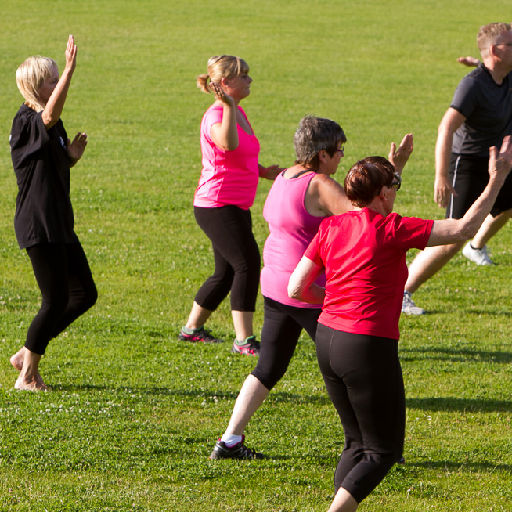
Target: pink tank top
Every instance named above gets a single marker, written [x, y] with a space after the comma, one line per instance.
[291, 229]
[227, 177]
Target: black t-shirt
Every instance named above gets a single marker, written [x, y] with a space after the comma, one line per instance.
[41, 163]
[487, 108]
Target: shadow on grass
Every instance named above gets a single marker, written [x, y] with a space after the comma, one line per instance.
[489, 312]
[469, 312]
[468, 466]
[278, 396]
[454, 354]
[452, 404]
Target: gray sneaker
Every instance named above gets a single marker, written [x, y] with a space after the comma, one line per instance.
[408, 306]
[478, 256]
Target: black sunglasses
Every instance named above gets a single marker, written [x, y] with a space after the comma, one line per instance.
[397, 181]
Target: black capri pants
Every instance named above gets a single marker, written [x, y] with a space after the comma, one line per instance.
[281, 329]
[67, 289]
[237, 258]
[364, 380]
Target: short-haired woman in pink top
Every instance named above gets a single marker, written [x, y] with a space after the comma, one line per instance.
[301, 197]
[226, 191]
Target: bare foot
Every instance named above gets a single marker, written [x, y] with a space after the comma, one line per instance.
[30, 384]
[17, 359]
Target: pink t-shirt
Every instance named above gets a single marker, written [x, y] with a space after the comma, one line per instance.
[363, 254]
[227, 177]
[291, 227]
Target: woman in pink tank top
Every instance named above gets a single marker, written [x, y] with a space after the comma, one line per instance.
[300, 198]
[225, 193]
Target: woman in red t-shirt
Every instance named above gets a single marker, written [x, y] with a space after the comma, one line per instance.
[363, 255]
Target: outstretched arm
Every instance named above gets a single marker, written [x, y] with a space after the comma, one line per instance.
[469, 61]
[454, 230]
[53, 109]
[269, 173]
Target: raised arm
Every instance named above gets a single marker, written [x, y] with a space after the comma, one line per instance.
[225, 134]
[454, 230]
[301, 285]
[53, 108]
[443, 189]
[399, 157]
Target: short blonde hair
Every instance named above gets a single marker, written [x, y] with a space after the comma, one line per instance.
[30, 76]
[219, 67]
[490, 34]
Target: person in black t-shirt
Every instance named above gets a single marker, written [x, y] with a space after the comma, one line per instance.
[479, 116]
[42, 156]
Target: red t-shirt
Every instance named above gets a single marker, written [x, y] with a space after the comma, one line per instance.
[363, 254]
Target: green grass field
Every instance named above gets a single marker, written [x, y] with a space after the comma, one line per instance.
[133, 413]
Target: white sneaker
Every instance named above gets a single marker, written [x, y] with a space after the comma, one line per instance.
[408, 306]
[478, 256]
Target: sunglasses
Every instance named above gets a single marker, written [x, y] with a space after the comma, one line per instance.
[397, 181]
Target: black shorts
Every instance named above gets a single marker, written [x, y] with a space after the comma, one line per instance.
[469, 176]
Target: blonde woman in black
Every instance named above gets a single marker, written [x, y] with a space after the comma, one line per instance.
[42, 156]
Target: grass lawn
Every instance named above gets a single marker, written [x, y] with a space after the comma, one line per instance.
[134, 413]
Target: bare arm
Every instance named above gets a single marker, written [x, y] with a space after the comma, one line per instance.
[225, 133]
[269, 173]
[301, 285]
[454, 230]
[469, 61]
[53, 108]
[326, 197]
[443, 189]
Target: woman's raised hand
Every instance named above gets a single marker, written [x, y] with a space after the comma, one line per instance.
[71, 51]
[398, 157]
[221, 95]
[501, 163]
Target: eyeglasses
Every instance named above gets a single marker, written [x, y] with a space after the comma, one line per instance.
[340, 150]
[397, 181]
[503, 44]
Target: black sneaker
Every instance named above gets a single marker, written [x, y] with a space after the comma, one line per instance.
[198, 336]
[250, 347]
[237, 451]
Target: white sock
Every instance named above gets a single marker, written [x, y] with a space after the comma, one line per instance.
[230, 439]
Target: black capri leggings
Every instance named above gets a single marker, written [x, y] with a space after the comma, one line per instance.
[237, 258]
[67, 289]
[281, 329]
[364, 381]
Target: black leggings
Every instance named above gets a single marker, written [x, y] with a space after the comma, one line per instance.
[67, 290]
[364, 381]
[237, 258]
[279, 335]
